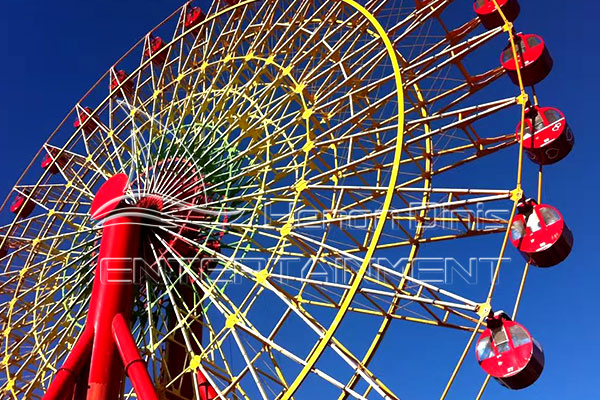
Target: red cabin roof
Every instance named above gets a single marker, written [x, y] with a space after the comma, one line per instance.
[490, 17]
[194, 17]
[539, 232]
[83, 116]
[508, 353]
[120, 77]
[533, 56]
[22, 206]
[156, 46]
[51, 162]
[232, 2]
[547, 137]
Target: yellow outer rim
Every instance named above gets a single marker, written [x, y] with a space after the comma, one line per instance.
[347, 300]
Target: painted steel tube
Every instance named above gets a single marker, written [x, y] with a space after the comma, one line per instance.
[135, 367]
[112, 294]
[67, 375]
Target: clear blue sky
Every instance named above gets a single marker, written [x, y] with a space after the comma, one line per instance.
[52, 52]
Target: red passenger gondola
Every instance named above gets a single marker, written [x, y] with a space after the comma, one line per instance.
[547, 138]
[194, 17]
[22, 206]
[51, 162]
[488, 13]
[120, 77]
[508, 353]
[82, 120]
[534, 59]
[539, 232]
[156, 48]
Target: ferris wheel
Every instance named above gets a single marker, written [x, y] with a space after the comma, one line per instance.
[221, 216]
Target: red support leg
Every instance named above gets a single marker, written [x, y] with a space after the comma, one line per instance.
[106, 348]
[135, 367]
[67, 375]
[178, 355]
[204, 387]
[112, 294]
[82, 384]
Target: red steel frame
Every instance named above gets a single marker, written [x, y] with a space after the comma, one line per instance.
[106, 345]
